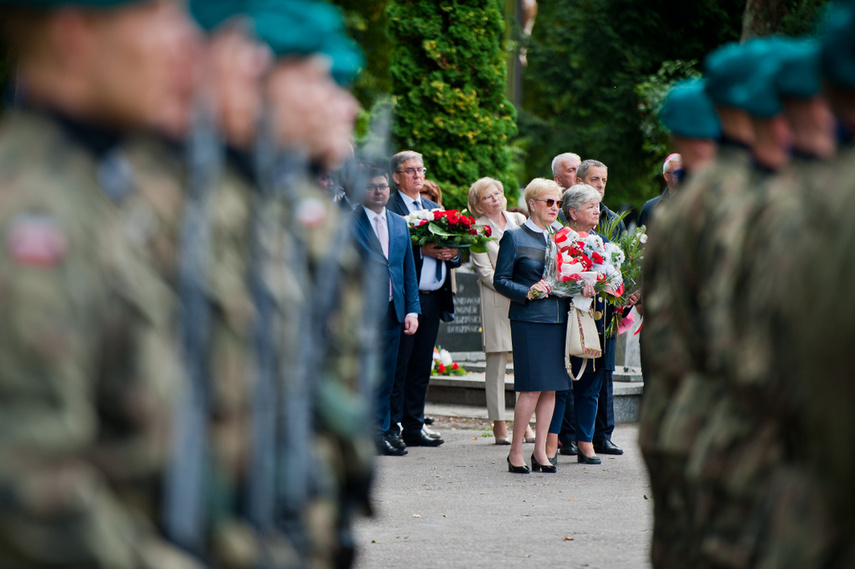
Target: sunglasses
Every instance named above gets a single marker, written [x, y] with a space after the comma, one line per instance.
[551, 202]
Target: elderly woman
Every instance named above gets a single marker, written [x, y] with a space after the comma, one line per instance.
[538, 322]
[487, 203]
[582, 210]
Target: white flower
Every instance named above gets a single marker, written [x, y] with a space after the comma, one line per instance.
[614, 254]
[445, 358]
[643, 237]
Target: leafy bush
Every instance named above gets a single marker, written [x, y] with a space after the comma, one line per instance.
[448, 72]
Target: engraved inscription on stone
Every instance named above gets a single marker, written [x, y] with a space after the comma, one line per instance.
[464, 333]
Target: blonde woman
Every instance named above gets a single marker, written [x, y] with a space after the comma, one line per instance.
[487, 204]
[538, 322]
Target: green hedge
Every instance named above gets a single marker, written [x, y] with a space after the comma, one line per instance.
[448, 72]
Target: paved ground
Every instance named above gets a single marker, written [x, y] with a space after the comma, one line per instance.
[458, 506]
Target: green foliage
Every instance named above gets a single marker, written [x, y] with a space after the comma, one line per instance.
[366, 23]
[651, 93]
[449, 71]
[586, 58]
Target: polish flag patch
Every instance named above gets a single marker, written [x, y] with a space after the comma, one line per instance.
[36, 240]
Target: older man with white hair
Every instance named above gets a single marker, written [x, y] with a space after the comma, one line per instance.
[672, 171]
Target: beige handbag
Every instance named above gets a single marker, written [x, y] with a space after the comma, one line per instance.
[583, 341]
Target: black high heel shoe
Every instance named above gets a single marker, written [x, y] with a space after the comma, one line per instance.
[593, 459]
[546, 468]
[517, 469]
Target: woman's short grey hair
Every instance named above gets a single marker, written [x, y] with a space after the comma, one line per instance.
[402, 157]
[576, 196]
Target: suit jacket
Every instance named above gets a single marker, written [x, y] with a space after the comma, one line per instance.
[520, 264]
[399, 267]
[397, 205]
[496, 336]
[607, 215]
[646, 215]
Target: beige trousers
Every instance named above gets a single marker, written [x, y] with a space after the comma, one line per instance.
[494, 385]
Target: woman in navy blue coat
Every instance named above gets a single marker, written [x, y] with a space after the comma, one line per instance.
[538, 321]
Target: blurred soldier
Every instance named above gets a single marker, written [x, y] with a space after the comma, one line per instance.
[679, 262]
[90, 367]
[203, 209]
[331, 345]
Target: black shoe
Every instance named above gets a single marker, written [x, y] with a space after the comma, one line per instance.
[517, 469]
[547, 468]
[607, 447]
[386, 449]
[593, 459]
[421, 440]
[570, 449]
[394, 440]
[428, 420]
[554, 460]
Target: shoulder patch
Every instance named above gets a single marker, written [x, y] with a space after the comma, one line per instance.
[35, 239]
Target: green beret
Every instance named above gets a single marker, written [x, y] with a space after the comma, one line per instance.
[55, 4]
[742, 76]
[211, 13]
[307, 27]
[837, 47]
[798, 75]
[688, 111]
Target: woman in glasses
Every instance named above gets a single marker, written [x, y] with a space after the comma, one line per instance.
[538, 322]
[487, 203]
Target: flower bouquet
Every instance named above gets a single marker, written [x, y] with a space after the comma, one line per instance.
[443, 364]
[614, 268]
[448, 228]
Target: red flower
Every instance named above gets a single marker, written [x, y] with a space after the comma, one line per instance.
[473, 231]
[422, 222]
[440, 368]
[455, 366]
[598, 259]
[453, 218]
[575, 277]
[601, 277]
[488, 231]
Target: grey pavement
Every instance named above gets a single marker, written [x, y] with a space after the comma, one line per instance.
[458, 506]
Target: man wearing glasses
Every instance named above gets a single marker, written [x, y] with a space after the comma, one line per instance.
[383, 240]
[433, 273]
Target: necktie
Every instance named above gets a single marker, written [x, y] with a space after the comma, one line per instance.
[383, 236]
[417, 204]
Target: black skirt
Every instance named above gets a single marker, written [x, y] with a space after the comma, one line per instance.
[539, 356]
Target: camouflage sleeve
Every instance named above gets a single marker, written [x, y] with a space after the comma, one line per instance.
[58, 510]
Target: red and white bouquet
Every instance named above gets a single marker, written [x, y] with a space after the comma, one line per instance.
[613, 268]
[448, 228]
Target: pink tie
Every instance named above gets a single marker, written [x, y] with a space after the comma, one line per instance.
[383, 236]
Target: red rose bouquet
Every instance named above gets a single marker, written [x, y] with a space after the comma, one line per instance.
[448, 228]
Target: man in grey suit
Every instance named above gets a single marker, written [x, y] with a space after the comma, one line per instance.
[383, 240]
[433, 272]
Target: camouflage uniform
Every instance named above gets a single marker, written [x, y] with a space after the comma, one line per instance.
[679, 261]
[745, 466]
[331, 454]
[88, 360]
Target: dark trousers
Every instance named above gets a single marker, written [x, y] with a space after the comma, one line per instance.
[391, 331]
[412, 373]
[579, 412]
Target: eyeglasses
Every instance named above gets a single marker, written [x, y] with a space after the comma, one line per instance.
[375, 187]
[413, 171]
[551, 202]
[492, 197]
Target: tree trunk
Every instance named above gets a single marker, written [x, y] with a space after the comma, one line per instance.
[762, 18]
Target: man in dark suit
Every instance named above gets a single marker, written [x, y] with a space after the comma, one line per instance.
[672, 171]
[433, 270]
[383, 240]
